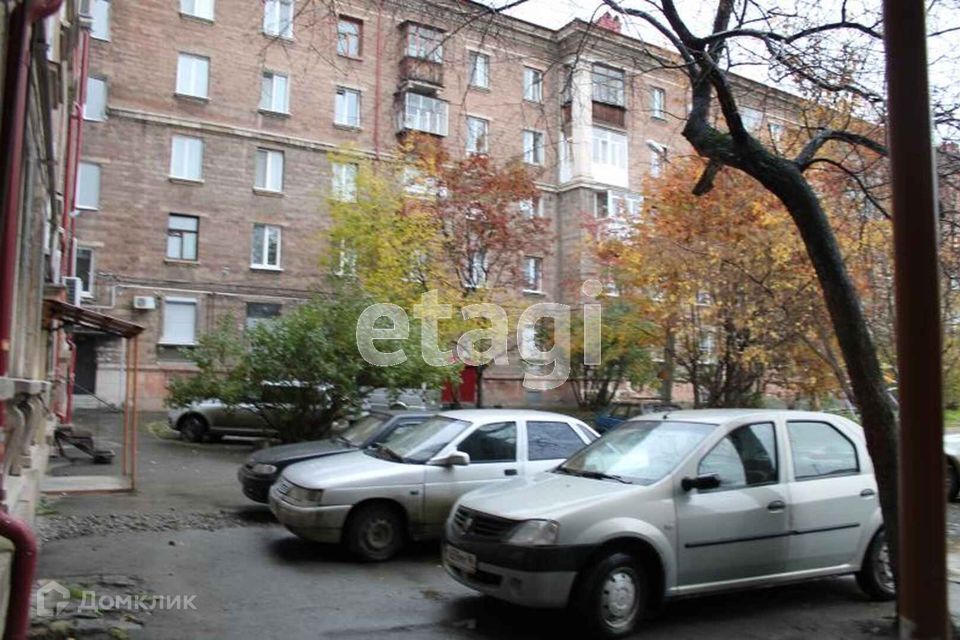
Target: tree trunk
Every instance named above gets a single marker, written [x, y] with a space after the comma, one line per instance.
[480, 369]
[666, 385]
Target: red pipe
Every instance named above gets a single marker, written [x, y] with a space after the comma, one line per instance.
[12, 124]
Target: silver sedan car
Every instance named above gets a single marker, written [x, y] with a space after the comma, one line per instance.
[372, 500]
[687, 503]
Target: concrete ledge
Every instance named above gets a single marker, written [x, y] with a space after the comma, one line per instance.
[85, 484]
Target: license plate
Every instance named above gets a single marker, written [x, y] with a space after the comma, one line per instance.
[466, 562]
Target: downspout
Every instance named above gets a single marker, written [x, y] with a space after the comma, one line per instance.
[12, 123]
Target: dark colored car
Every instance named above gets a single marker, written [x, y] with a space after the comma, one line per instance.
[616, 412]
[263, 468]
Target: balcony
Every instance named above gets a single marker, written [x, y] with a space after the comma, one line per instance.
[421, 72]
[609, 114]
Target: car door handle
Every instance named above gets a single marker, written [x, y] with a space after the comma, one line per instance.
[777, 505]
[867, 493]
[509, 472]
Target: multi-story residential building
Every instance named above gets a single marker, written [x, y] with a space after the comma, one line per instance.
[211, 126]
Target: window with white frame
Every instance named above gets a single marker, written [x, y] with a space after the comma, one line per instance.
[347, 265]
[193, 74]
[349, 32]
[477, 267]
[424, 42]
[84, 268]
[95, 106]
[202, 9]
[601, 204]
[262, 313]
[658, 103]
[624, 205]
[100, 19]
[478, 133]
[533, 274]
[423, 113]
[183, 235]
[278, 18]
[88, 186]
[186, 158]
[532, 84]
[658, 158]
[708, 343]
[479, 70]
[531, 207]
[528, 339]
[609, 148]
[532, 147]
[344, 186]
[275, 92]
[776, 131]
[269, 170]
[179, 321]
[751, 118]
[265, 246]
[608, 85]
[346, 110]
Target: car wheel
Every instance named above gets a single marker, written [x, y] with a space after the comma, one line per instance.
[953, 482]
[611, 597]
[374, 532]
[876, 574]
[193, 428]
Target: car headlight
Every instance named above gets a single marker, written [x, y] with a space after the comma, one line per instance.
[263, 469]
[535, 533]
[306, 496]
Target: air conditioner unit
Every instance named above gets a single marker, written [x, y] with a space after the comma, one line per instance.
[144, 303]
[74, 290]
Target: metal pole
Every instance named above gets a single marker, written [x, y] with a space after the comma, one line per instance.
[922, 553]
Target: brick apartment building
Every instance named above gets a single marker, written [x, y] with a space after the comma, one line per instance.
[210, 125]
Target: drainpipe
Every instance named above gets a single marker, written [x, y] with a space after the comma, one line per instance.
[12, 124]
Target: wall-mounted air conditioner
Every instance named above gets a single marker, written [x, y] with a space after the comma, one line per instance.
[74, 290]
[144, 303]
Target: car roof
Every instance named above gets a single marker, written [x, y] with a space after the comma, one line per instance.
[719, 416]
[412, 413]
[485, 414]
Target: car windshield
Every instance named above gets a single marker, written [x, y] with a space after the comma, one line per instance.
[363, 429]
[420, 443]
[640, 452]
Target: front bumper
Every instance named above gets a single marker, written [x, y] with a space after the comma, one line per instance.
[317, 523]
[256, 487]
[529, 576]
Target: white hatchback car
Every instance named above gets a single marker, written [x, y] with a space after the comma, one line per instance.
[405, 486]
[684, 503]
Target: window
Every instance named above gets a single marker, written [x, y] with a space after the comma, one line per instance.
[751, 119]
[261, 313]
[479, 70]
[278, 18]
[708, 343]
[349, 37]
[478, 131]
[658, 103]
[88, 186]
[819, 449]
[197, 8]
[704, 298]
[265, 251]
[100, 15]
[776, 131]
[495, 442]
[532, 147]
[95, 107]
[528, 341]
[477, 269]
[192, 75]
[269, 170]
[423, 113]
[83, 268]
[551, 440]
[346, 109]
[531, 208]
[182, 235]
[344, 181]
[275, 93]
[532, 84]
[186, 158]
[608, 85]
[424, 42]
[745, 458]
[609, 148]
[179, 321]
[348, 260]
[601, 204]
[658, 158]
[532, 274]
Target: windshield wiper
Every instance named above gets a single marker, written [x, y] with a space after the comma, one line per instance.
[594, 475]
[393, 455]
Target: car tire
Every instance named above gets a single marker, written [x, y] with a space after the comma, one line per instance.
[611, 596]
[375, 532]
[193, 428]
[953, 482]
[875, 577]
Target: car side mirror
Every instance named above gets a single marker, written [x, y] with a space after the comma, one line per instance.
[454, 459]
[702, 483]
